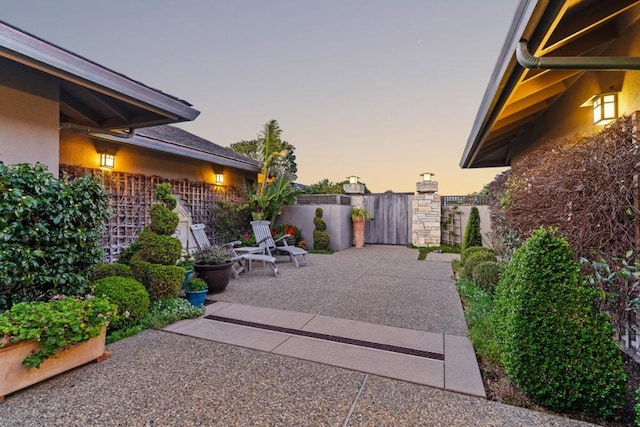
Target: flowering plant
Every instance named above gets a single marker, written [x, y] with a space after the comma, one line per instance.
[291, 230]
[56, 324]
[247, 239]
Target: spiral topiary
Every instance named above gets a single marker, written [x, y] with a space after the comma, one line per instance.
[320, 235]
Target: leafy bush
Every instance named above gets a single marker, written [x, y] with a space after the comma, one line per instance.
[473, 249]
[163, 221]
[129, 295]
[160, 281]
[472, 235]
[128, 252]
[230, 222]
[554, 343]
[102, 270]
[637, 421]
[486, 275]
[164, 196]
[159, 249]
[320, 235]
[474, 259]
[55, 324]
[292, 230]
[50, 233]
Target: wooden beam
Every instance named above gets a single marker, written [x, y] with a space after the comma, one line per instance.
[71, 106]
[540, 96]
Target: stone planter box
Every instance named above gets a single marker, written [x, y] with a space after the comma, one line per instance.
[15, 376]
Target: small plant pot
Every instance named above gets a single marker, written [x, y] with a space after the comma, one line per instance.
[196, 298]
[217, 276]
[187, 276]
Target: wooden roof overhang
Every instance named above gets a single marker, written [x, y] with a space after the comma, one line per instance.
[516, 96]
[90, 94]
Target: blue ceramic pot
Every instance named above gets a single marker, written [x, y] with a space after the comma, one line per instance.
[196, 298]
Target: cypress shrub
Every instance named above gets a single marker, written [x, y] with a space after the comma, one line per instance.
[320, 235]
[163, 221]
[475, 259]
[472, 235]
[129, 295]
[554, 343]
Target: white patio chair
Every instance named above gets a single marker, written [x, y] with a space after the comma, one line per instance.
[264, 239]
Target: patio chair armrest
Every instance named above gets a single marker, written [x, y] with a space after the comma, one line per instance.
[283, 239]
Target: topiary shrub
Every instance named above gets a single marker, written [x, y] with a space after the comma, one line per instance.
[102, 270]
[160, 281]
[472, 235]
[163, 221]
[164, 196]
[320, 235]
[129, 295]
[474, 259]
[128, 252]
[50, 233]
[554, 343]
[473, 249]
[486, 275]
[159, 249]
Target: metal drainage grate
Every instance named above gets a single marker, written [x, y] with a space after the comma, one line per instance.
[333, 338]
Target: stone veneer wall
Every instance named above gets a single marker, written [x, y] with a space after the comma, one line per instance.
[425, 229]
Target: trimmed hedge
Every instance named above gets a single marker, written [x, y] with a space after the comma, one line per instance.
[473, 249]
[129, 295]
[159, 249]
[160, 281]
[102, 270]
[163, 221]
[554, 343]
[486, 275]
[475, 259]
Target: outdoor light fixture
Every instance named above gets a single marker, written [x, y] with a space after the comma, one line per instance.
[107, 160]
[426, 177]
[219, 178]
[353, 179]
[605, 108]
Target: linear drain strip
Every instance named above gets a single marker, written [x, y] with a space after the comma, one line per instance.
[333, 338]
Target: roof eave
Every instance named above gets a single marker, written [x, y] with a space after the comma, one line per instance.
[36, 53]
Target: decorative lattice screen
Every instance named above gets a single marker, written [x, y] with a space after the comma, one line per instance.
[132, 197]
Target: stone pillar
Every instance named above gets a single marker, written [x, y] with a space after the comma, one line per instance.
[356, 191]
[425, 228]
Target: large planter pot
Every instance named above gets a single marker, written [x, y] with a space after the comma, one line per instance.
[15, 376]
[216, 276]
[358, 233]
[196, 298]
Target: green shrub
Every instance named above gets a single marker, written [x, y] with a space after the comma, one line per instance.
[637, 421]
[486, 275]
[128, 252]
[474, 259]
[472, 235]
[158, 249]
[160, 281]
[554, 343]
[163, 221]
[102, 270]
[320, 235]
[50, 233]
[164, 196]
[473, 249]
[129, 295]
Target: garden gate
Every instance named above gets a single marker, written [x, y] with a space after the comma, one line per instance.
[391, 216]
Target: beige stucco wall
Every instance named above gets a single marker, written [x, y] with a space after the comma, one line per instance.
[29, 116]
[80, 150]
[566, 117]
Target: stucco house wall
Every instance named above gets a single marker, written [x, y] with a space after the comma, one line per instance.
[29, 116]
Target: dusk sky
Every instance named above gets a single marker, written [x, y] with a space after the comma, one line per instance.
[383, 89]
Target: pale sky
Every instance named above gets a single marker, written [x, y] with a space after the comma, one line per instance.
[382, 89]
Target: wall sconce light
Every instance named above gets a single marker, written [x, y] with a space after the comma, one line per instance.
[605, 107]
[219, 178]
[353, 179]
[426, 177]
[107, 160]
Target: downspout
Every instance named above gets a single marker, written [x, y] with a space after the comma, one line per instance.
[527, 60]
[130, 133]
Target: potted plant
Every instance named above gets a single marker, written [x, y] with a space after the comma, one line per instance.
[186, 262]
[213, 265]
[358, 216]
[196, 291]
[41, 339]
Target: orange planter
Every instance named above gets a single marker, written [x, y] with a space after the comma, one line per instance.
[358, 233]
[15, 376]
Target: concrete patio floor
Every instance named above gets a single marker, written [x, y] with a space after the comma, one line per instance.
[210, 372]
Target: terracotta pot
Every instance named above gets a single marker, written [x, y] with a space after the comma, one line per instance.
[216, 276]
[358, 233]
[16, 376]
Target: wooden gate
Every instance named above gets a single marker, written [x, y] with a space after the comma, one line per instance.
[391, 216]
